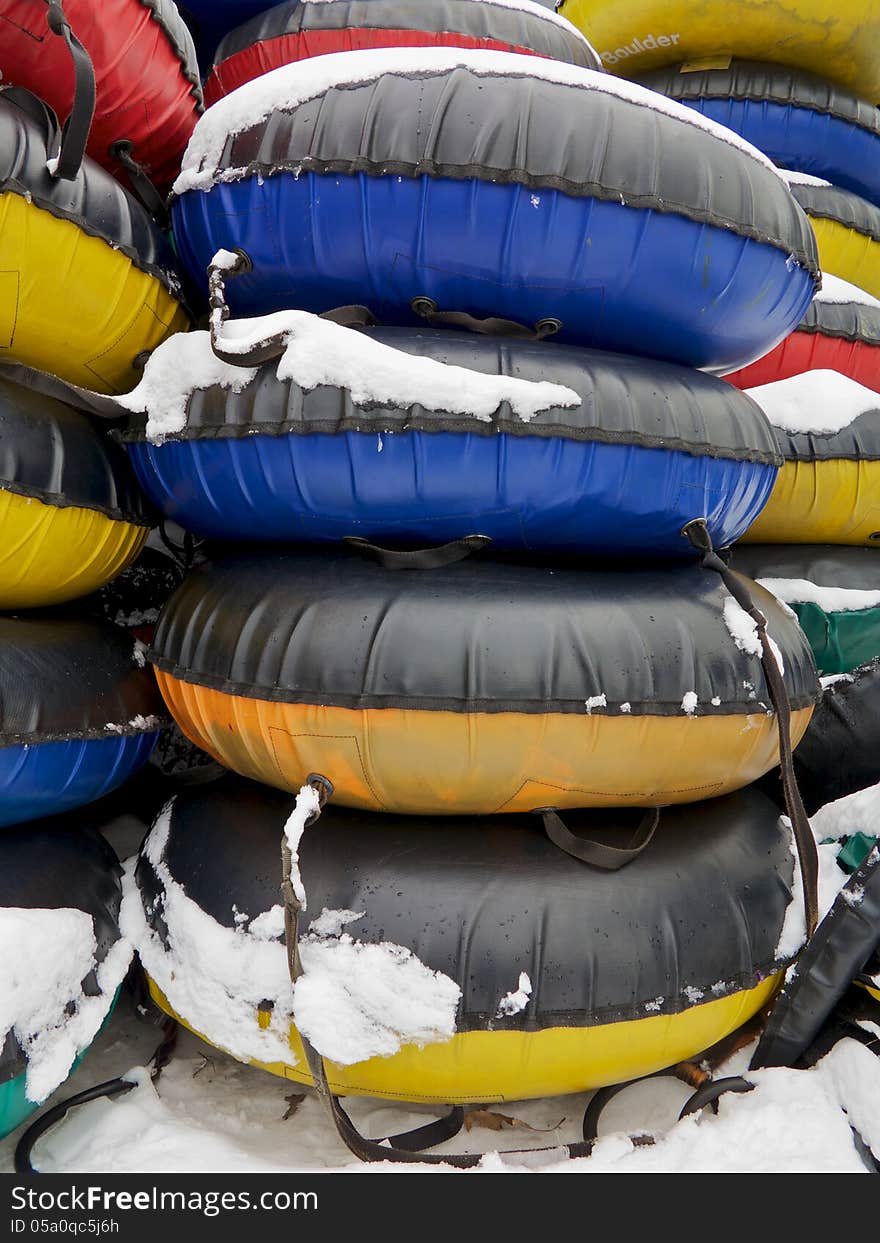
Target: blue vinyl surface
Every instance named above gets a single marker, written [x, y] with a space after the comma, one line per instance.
[420, 488]
[620, 278]
[44, 778]
[804, 141]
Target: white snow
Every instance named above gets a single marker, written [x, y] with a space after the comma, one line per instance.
[854, 813]
[626, 707]
[140, 722]
[307, 804]
[44, 957]
[595, 701]
[331, 923]
[831, 679]
[292, 85]
[269, 926]
[836, 290]
[320, 352]
[139, 655]
[829, 599]
[818, 402]
[802, 179]
[742, 629]
[516, 1000]
[689, 703]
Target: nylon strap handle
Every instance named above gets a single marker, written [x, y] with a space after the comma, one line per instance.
[75, 132]
[597, 854]
[121, 150]
[419, 558]
[698, 534]
[427, 309]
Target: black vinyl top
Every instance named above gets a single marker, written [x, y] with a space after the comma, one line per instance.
[478, 636]
[53, 453]
[851, 321]
[167, 17]
[840, 752]
[62, 677]
[94, 201]
[827, 565]
[758, 80]
[485, 20]
[524, 129]
[52, 865]
[841, 206]
[696, 916]
[624, 400]
[859, 441]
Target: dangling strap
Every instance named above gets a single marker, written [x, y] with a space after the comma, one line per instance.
[427, 309]
[75, 133]
[418, 558]
[698, 534]
[609, 858]
[121, 150]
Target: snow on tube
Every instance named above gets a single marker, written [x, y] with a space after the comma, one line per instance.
[426, 692]
[801, 120]
[71, 512]
[839, 42]
[468, 178]
[847, 230]
[834, 591]
[617, 454]
[87, 281]
[623, 975]
[828, 490]
[146, 76]
[840, 332]
[62, 959]
[79, 713]
[302, 28]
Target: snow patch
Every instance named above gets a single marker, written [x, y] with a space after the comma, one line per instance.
[307, 805]
[854, 813]
[829, 599]
[331, 923]
[517, 1000]
[595, 701]
[818, 403]
[743, 629]
[838, 291]
[689, 703]
[144, 723]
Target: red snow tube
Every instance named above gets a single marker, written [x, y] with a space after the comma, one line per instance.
[296, 31]
[146, 75]
[834, 335]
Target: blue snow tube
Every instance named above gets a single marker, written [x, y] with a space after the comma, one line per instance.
[78, 714]
[801, 121]
[497, 185]
[646, 447]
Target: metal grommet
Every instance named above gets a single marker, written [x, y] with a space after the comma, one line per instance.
[875, 535]
[548, 327]
[423, 306]
[140, 360]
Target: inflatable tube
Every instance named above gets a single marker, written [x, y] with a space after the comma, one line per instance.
[621, 983]
[364, 177]
[840, 332]
[622, 455]
[146, 76]
[87, 280]
[801, 120]
[426, 693]
[59, 910]
[847, 230]
[828, 428]
[833, 591]
[300, 29]
[838, 42]
[79, 713]
[70, 509]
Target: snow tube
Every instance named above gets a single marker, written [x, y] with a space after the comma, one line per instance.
[302, 28]
[834, 592]
[71, 512]
[79, 713]
[617, 454]
[847, 230]
[87, 280]
[60, 893]
[828, 428]
[365, 178]
[146, 76]
[802, 121]
[838, 42]
[840, 332]
[426, 692]
[623, 977]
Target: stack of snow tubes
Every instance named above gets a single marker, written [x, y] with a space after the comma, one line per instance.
[457, 401]
[97, 106]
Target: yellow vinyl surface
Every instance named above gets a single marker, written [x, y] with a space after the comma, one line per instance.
[72, 305]
[835, 501]
[457, 763]
[837, 40]
[50, 554]
[509, 1065]
[852, 256]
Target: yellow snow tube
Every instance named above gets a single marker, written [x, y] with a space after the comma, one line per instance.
[73, 305]
[844, 252]
[833, 501]
[838, 41]
[513, 1065]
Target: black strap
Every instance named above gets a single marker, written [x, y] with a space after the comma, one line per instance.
[121, 151]
[75, 133]
[351, 316]
[419, 558]
[493, 326]
[597, 854]
[698, 534]
[709, 1092]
